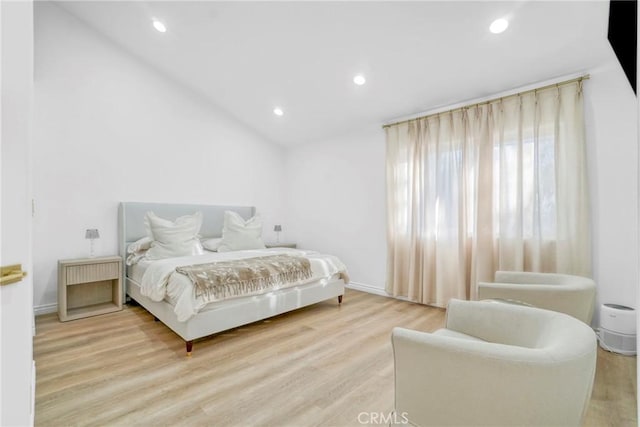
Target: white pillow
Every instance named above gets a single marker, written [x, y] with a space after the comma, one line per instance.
[139, 245]
[174, 238]
[212, 244]
[137, 250]
[238, 234]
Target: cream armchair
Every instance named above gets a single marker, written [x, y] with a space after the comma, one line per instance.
[573, 295]
[495, 364]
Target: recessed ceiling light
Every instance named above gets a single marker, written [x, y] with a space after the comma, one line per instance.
[359, 80]
[498, 26]
[278, 111]
[159, 26]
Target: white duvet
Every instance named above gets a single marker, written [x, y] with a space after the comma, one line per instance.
[160, 281]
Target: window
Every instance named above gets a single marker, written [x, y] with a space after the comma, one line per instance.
[501, 185]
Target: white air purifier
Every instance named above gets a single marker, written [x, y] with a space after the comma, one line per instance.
[618, 329]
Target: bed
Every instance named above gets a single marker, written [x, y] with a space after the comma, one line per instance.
[196, 320]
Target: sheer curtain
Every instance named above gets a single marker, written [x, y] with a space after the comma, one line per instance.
[495, 186]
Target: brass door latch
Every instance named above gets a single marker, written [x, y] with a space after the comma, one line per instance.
[11, 274]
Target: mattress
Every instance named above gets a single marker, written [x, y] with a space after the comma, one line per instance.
[159, 281]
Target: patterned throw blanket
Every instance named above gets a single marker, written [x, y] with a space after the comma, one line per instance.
[224, 279]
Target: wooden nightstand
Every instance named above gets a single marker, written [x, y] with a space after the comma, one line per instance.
[89, 286]
[281, 245]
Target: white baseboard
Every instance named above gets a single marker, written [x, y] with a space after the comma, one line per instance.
[367, 288]
[45, 309]
[374, 290]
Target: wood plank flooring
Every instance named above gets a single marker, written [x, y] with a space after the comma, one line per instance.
[318, 366]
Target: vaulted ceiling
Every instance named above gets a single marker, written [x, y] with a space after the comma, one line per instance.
[249, 57]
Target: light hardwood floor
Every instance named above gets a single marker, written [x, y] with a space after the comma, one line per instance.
[318, 366]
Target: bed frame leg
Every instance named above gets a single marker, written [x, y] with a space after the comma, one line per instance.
[339, 299]
[189, 345]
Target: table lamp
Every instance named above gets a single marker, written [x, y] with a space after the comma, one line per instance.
[92, 234]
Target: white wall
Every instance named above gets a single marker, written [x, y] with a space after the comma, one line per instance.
[16, 300]
[109, 129]
[611, 118]
[337, 201]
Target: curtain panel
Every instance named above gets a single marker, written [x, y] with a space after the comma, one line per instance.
[494, 186]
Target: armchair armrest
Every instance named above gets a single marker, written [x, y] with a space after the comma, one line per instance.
[526, 277]
[575, 298]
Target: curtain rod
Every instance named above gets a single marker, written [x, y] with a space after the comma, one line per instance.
[577, 79]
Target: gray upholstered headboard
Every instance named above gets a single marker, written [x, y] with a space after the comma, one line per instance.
[131, 220]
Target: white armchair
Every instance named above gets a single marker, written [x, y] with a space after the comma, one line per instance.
[495, 364]
[573, 295]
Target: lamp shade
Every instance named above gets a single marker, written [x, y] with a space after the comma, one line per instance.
[277, 227]
[92, 233]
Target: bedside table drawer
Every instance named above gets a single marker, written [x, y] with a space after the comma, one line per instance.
[92, 272]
